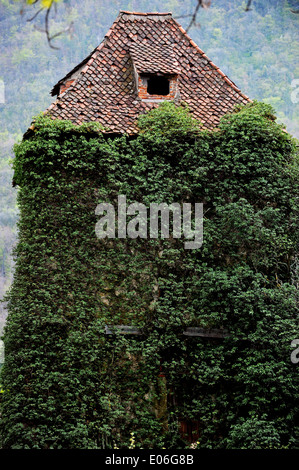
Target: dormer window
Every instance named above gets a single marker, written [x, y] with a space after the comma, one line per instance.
[156, 72]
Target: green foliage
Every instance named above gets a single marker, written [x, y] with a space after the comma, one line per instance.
[256, 49]
[168, 121]
[254, 433]
[67, 384]
[169, 128]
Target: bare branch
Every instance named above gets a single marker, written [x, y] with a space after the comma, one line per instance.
[193, 16]
[40, 30]
[193, 19]
[200, 3]
[68, 29]
[184, 16]
[248, 5]
[205, 4]
[34, 16]
[46, 29]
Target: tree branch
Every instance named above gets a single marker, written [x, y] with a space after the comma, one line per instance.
[203, 4]
[34, 16]
[194, 16]
[200, 3]
[248, 5]
[46, 29]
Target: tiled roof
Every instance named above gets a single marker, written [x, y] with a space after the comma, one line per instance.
[152, 58]
[103, 87]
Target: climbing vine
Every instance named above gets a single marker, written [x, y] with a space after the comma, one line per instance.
[66, 382]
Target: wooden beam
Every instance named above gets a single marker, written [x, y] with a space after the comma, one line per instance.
[190, 331]
[122, 329]
[206, 332]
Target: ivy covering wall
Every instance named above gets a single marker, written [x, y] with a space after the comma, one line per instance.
[65, 382]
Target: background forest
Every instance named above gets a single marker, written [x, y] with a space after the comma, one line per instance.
[257, 49]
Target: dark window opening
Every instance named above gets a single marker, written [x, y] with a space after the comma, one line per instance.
[189, 430]
[158, 86]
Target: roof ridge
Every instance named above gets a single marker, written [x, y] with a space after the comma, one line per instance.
[145, 13]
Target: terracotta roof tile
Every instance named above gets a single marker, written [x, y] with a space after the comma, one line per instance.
[154, 58]
[103, 87]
